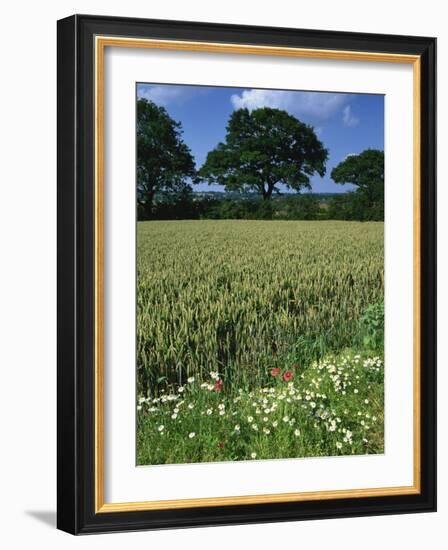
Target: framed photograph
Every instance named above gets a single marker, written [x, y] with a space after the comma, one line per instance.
[246, 274]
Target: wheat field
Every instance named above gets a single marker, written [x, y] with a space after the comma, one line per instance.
[241, 297]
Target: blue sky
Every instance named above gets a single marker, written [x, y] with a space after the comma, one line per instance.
[345, 123]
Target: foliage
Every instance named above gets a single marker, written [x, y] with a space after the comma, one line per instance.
[350, 206]
[331, 407]
[164, 162]
[366, 171]
[239, 294]
[310, 206]
[372, 323]
[354, 206]
[263, 148]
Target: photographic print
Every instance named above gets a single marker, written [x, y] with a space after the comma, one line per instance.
[260, 274]
[246, 298]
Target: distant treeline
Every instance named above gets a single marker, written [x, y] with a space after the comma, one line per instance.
[353, 206]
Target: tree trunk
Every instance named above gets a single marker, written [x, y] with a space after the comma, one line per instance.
[149, 199]
[267, 193]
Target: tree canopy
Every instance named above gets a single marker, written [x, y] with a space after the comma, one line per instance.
[366, 171]
[264, 148]
[164, 161]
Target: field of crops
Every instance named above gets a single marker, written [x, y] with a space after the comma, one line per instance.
[232, 296]
[244, 298]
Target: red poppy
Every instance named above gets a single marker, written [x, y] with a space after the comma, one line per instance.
[221, 445]
[218, 385]
[288, 375]
[275, 371]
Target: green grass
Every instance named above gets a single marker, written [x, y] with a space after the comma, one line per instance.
[240, 298]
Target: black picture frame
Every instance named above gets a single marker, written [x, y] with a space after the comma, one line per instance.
[76, 255]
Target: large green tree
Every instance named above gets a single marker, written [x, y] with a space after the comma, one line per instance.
[366, 171]
[164, 161]
[264, 148]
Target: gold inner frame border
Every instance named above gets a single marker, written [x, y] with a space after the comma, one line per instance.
[101, 42]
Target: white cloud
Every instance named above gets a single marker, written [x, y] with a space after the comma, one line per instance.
[164, 95]
[348, 118]
[316, 105]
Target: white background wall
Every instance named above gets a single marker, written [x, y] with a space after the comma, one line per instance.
[28, 272]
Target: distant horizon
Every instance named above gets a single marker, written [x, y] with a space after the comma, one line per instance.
[282, 193]
[346, 123]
